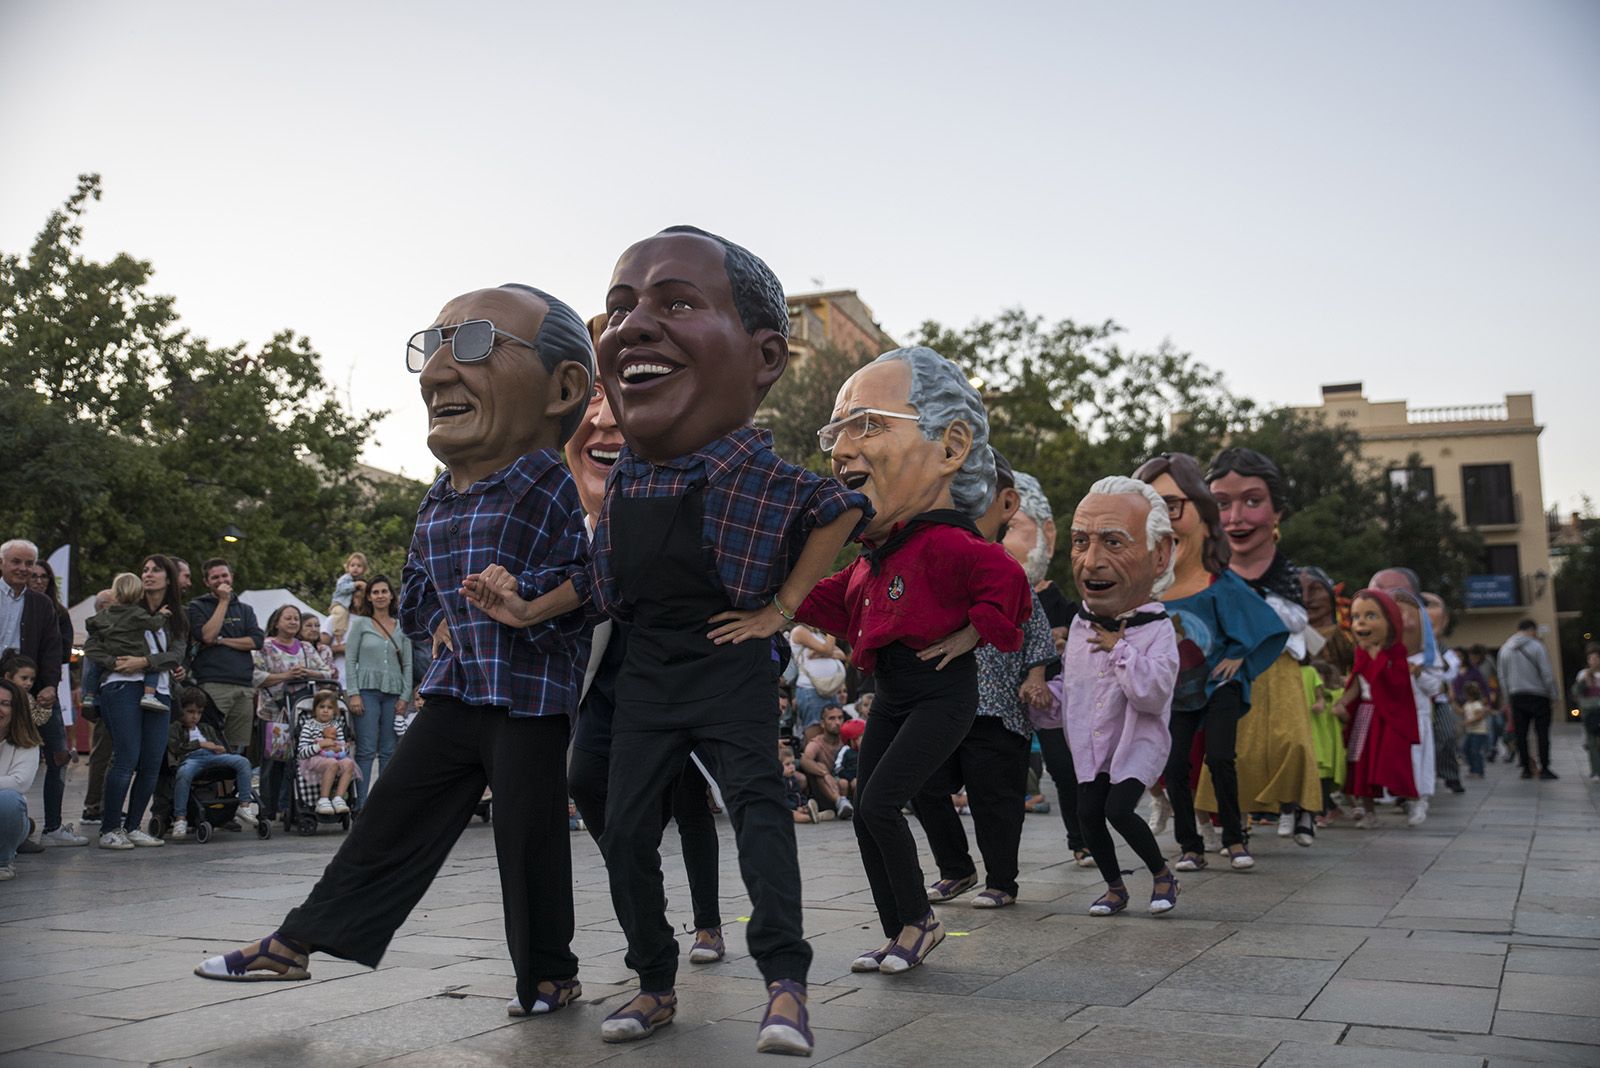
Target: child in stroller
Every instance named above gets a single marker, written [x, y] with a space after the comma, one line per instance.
[323, 768]
[196, 793]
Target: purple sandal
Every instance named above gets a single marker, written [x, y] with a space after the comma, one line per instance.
[234, 967]
[563, 993]
[780, 1034]
[950, 889]
[899, 959]
[630, 1025]
[1113, 901]
[870, 961]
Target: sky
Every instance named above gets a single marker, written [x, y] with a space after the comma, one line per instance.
[1404, 194]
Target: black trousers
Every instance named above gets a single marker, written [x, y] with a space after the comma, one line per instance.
[1220, 717]
[1101, 802]
[1058, 761]
[992, 763]
[415, 813]
[1446, 742]
[588, 776]
[1531, 711]
[918, 719]
[743, 755]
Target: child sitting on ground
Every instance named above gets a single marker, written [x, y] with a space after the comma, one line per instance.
[344, 591]
[325, 759]
[849, 759]
[794, 789]
[195, 746]
[1476, 711]
[121, 630]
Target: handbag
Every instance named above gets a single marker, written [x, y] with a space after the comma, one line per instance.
[277, 740]
[826, 684]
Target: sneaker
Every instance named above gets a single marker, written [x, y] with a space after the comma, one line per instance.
[117, 839]
[1160, 814]
[1285, 824]
[1548, 774]
[180, 831]
[1301, 838]
[341, 806]
[814, 812]
[64, 835]
[845, 809]
[1417, 811]
[247, 814]
[324, 806]
[7, 873]
[1208, 834]
[1454, 786]
[152, 703]
[139, 838]
[28, 845]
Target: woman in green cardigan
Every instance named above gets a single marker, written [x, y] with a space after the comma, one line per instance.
[377, 676]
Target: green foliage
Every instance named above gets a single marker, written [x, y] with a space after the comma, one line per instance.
[1578, 591]
[1069, 403]
[132, 435]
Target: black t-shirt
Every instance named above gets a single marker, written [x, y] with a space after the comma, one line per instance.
[1059, 611]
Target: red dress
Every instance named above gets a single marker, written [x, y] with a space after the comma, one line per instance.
[1380, 735]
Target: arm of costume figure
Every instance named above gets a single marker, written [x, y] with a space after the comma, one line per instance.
[1255, 635]
[1392, 696]
[421, 614]
[825, 609]
[1146, 665]
[1002, 600]
[821, 548]
[1039, 646]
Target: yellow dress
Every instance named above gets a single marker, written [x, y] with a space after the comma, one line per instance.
[1275, 754]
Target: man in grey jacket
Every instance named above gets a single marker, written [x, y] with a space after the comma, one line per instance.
[1526, 675]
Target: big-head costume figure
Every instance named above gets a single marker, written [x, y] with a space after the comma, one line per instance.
[911, 433]
[505, 374]
[706, 543]
[1118, 673]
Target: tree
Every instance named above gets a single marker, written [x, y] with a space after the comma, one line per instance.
[802, 401]
[1069, 404]
[131, 435]
[1577, 591]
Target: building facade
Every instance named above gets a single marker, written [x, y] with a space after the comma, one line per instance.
[837, 317]
[1483, 461]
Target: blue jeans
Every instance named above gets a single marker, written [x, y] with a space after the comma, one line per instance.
[91, 680]
[199, 761]
[808, 706]
[1477, 748]
[13, 823]
[375, 732]
[138, 743]
[54, 734]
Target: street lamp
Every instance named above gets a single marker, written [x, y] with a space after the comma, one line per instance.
[232, 534]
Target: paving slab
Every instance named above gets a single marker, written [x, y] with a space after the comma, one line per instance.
[1474, 938]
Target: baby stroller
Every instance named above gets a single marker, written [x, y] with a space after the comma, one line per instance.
[213, 803]
[301, 815]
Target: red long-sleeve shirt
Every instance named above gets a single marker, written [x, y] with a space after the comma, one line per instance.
[940, 580]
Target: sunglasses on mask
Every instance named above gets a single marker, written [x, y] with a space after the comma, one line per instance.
[470, 342]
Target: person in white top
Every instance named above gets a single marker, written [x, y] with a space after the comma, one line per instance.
[19, 763]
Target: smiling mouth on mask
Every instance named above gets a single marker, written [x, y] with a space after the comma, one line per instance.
[602, 456]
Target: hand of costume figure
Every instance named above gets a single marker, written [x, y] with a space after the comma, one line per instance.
[1059, 636]
[1037, 694]
[1106, 640]
[951, 646]
[441, 638]
[400, 708]
[739, 626]
[494, 592]
[1227, 669]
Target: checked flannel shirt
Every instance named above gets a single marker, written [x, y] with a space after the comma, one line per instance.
[758, 512]
[525, 517]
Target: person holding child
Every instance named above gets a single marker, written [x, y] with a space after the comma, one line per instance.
[138, 732]
[324, 752]
[194, 747]
[19, 763]
[122, 629]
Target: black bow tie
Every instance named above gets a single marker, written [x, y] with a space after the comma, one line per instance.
[1138, 619]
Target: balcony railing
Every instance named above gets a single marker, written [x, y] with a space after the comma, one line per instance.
[1459, 413]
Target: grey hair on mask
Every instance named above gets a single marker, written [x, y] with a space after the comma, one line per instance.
[942, 396]
[1157, 525]
[1035, 505]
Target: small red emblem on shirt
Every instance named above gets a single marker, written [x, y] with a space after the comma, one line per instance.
[897, 588]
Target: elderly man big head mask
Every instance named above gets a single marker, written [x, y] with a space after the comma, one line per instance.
[1031, 533]
[1121, 546]
[910, 432]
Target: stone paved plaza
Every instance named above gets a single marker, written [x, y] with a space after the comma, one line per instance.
[1467, 941]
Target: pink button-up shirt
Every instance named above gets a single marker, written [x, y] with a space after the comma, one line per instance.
[1115, 705]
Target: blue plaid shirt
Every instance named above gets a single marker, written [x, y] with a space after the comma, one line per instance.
[526, 518]
[758, 512]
